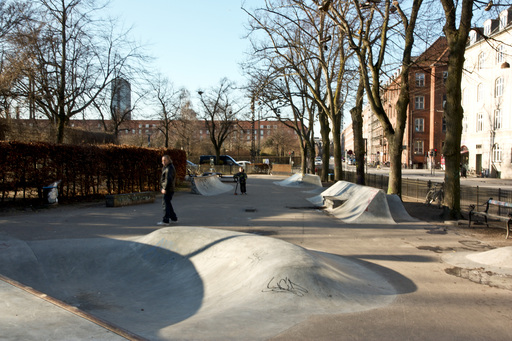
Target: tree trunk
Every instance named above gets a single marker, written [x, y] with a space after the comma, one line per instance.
[395, 172]
[324, 131]
[357, 127]
[454, 114]
[336, 138]
[457, 36]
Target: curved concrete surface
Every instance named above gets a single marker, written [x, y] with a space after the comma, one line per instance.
[397, 209]
[362, 204]
[209, 185]
[299, 179]
[195, 283]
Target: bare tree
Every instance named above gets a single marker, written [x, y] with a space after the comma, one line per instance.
[369, 38]
[170, 103]
[186, 125]
[71, 58]
[13, 15]
[300, 40]
[220, 112]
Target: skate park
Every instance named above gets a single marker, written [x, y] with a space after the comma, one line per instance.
[272, 265]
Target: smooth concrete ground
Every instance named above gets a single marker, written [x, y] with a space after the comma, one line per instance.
[430, 303]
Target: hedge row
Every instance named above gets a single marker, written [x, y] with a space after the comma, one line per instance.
[25, 168]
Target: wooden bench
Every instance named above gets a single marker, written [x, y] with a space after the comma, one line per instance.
[485, 213]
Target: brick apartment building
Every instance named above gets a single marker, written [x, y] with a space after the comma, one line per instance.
[425, 128]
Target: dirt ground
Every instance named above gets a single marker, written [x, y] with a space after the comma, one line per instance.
[493, 235]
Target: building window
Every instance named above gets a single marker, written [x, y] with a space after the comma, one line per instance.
[419, 124]
[481, 61]
[497, 119]
[500, 51]
[498, 92]
[496, 153]
[444, 125]
[503, 20]
[420, 79]
[418, 147]
[487, 29]
[419, 102]
[445, 76]
[465, 124]
[480, 122]
[479, 92]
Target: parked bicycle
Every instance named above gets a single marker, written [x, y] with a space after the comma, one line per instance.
[435, 193]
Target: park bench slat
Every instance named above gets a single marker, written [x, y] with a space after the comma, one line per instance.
[486, 213]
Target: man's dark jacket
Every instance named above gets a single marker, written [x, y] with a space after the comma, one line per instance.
[168, 179]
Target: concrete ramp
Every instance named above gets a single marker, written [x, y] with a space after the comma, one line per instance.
[360, 204]
[397, 209]
[298, 180]
[195, 283]
[209, 185]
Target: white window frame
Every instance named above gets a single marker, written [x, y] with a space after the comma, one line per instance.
[419, 102]
[498, 87]
[479, 92]
[503, 20]
[481, 60]
[497, 119]
[420, 79]
[419, 147]
[496, 153]
[479, 122]
[500, 51]
[419, 125]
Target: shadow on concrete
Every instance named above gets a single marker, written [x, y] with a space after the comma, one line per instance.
[136, 286]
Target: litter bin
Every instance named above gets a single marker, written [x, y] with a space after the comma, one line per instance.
[51, 193]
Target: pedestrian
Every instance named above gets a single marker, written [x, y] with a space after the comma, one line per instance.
[167, 185]
[242, 180]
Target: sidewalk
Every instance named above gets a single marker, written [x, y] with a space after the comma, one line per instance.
[431, 303]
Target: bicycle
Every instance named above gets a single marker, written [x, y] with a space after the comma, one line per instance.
[435, 194]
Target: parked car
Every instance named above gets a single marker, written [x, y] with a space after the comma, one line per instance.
[318, 161]
[224, 160]
[244, 163]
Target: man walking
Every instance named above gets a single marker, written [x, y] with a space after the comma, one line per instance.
[167, 184]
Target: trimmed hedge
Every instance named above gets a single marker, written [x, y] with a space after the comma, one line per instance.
[89, 170]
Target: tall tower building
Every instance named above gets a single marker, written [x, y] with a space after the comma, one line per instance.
[121, 104]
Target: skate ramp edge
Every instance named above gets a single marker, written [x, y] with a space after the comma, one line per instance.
[298, 180]
[398, 210]
[209, 185]
[198, 283]
[361, 204]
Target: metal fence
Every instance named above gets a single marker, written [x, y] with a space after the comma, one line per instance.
[415, 188]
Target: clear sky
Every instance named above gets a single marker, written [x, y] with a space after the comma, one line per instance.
[195, 43]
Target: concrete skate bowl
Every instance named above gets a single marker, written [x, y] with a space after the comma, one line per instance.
[363, 204]
[300, 180]
[209, 185]
[198, 283]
